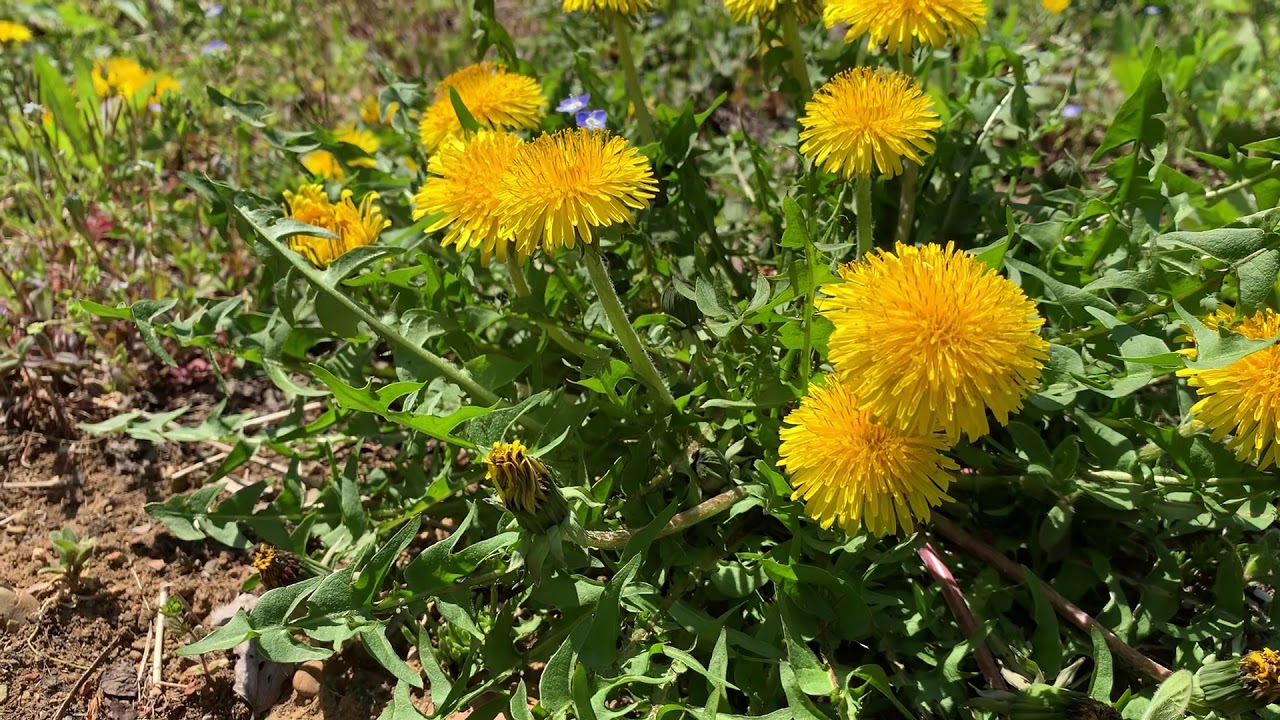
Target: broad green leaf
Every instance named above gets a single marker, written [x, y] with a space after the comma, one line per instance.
[371, 573]
[1228, 245]
[1218, 347]
[235, 631]
[1103, 672]
[374, 639]
[554, 692]
[796, 234]
[1046, 642]
[1136, 119]
[600, 647]
[378, 402]
[401, 706]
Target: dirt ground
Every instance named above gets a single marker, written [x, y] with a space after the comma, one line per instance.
[85, 651]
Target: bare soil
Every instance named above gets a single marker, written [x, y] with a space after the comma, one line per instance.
[84, 646]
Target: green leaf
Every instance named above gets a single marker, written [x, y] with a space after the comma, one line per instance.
[1257, 278]
[796, 234]
[1101, 682]
[334, 595]
[1172, 698]
[519, 706]
[492, 427]
[600, 648]
[371, 574]
[401, 706]
[235, 631]
[1046, 642]
[439, 684]
[802, 708]
[276, 605]
[875, 676]
[464, 115]
[251, 113]
[144, 312]
[57, 97]
[374, 639]
[554, 692]
[1229, 244]
[378, 402]
[1136, 119]
[811, 677]
[280, 645]
[1218, 347]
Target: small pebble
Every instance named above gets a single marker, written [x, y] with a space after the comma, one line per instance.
[306, 680]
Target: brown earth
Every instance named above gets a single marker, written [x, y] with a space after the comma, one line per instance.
[84, 647]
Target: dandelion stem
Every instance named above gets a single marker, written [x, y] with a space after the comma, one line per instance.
[862, 207]
[627, 337]
[791, 37]
[622, 34]
[910, 171]
[1082, 620]
[951, 592]
[618, 539]
[553, 331]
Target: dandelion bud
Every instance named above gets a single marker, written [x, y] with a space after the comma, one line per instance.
[680, 307]
[1046, 702]
[276, 567]
[1236, 686]
[526, 487]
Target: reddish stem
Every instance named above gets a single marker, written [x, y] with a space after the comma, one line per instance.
[1081, 619]
[960, 609]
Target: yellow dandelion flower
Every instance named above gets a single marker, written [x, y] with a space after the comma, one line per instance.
[1260, 670]
[323, 163]
[371, 112]
[465, 175]
[1243, 399]
[354, 226]
[12, 32]
[363, 139]
[1055, 6]
[626, 7]
[893, 22]
[122, 77]
[558, 187]
[929, 338]
[496, 99]
[866, 118]
[852, 470]
[166, 84]
[745, 11]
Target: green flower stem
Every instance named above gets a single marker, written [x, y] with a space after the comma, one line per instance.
[791, 37]
[910, 171]
[862, 207]
[1249, 182]
[618, 539]
[627, 337]
[456, 375]
[994, 558]
[622, 34]
[553, 331]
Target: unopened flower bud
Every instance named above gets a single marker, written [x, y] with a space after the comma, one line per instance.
[526, 487]
[276, 567]
[1236, 686]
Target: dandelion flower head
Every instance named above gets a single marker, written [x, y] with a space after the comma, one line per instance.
[865, 119]
[852, 470]
[1242, 399]
[363, 139]
[371, 113]
[1260, 670]
[496, 99]
[559, 187]
[12, 32]
[626, 7]
[354, 226]
[745, 11]
[463, 177]
[1055, 6]
[930, 338]
[324, 164]
[897, 22]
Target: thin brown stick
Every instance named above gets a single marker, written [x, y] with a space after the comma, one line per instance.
[84, 676]
[1073, 614]
[951, 592]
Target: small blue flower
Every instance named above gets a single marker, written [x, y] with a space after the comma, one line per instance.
[574, 103]
[155, 107]
[592, 119]
[213, 46]
[1071, 110]
[213, 11]
[33, 109]
[1152, 10]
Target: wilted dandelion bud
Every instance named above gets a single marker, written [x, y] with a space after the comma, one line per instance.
[276, 567]
[525, 485]
[1232, 687]
[679, 307]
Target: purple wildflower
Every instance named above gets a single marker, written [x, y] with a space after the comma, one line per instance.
[592, 119]
[574, 103]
